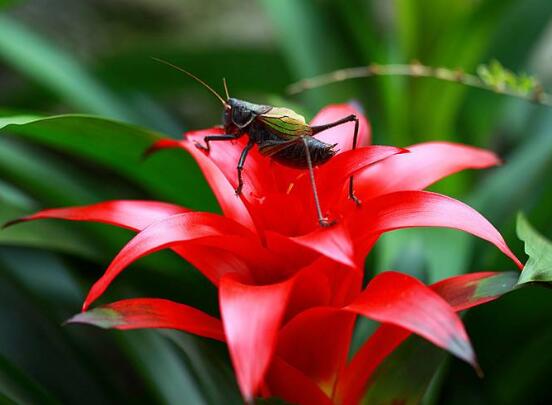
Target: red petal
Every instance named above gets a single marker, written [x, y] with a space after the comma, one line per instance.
[136, 215]
[257, 174]
[333, 242]
[342, 134]
[316, 342]
[143, 313]
[461, 292]
[331, 179]
[251, 316]
[289, 384]
[323, 283]
[169, 232]
[404, 301]
[347, 163]
[407, 209]
[130, 214]
[232, 206]
[424, 165]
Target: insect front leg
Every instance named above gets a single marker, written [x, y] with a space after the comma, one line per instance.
[321, 219]
[241, 163]
[209, 138]
[319, 128]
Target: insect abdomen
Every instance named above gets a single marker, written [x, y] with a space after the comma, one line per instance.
[294, 154]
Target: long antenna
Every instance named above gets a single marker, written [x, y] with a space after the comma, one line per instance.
[225, 88]
[193, 77]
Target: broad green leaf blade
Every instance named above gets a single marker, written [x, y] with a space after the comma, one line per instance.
[302, 27]
[265, 70]
[166, 374]
[120, 147]
[538, 268]
[57, 70]
[42, 176]
[41, 235]
[82, 358]
[35, 341]
[215, 375]
[19, 388]
[405, 375]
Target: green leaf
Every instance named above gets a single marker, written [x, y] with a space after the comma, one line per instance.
[265, 71]
[215, 375]
[538, 268]
[120, 147]
[157, 360]
[19, 388]
[302, 27]
[7, 3]
[405, 375]
[41, 235]
[56, 70]
[44, 177]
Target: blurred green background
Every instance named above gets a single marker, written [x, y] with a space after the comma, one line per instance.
[93, 57]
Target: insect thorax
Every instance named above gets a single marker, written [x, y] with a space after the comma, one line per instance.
[242, 113]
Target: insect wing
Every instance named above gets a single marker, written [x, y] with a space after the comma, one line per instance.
[270, 148]
[286, 123]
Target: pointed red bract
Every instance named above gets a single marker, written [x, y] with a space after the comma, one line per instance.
[332, 179]
[143, 313]
[335, 244]
[424, 165]
[404, 301]
[136, 215]
[176, 229]
[460, 292]
[261, 176]
[251, 316]
[293, 386]
[316, 341]
[232, 206]
[407, 209]
[130, 214]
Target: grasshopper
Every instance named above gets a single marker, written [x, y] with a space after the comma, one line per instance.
[279, 133]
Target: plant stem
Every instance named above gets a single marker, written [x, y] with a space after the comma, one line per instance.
[537, 95]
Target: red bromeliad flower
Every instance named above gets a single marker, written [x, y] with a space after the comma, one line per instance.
[289, 290]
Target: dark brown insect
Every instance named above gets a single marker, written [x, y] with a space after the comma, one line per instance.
[279, 133]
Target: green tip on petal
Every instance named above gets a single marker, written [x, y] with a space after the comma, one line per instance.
[12, 222]
[105, 318]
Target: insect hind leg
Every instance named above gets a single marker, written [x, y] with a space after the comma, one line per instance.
[350, 118]
[323, 221]
[352, 195]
